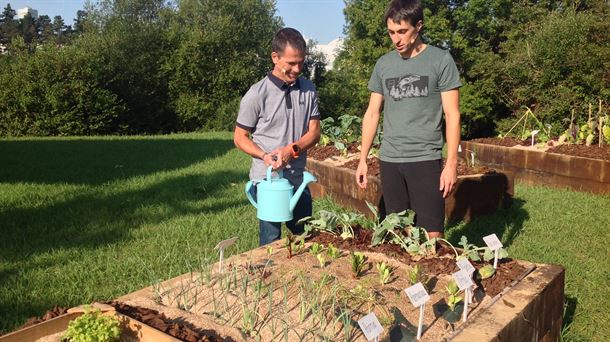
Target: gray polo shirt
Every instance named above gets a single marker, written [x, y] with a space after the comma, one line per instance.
[278, 114]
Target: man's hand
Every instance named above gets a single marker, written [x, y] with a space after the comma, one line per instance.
[283, 156]
[362, 174]
[448, 178]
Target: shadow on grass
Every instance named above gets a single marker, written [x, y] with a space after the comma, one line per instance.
[100, 217]
[98, 161]
[569, 312]
[505, 223]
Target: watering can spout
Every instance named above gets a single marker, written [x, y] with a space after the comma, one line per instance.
[307, 178]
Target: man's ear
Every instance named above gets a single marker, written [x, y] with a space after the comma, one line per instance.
[275, 57]
[419, 26]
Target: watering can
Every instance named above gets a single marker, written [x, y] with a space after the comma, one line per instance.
[276, 200]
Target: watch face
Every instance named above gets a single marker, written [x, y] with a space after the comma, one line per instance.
[295, 148]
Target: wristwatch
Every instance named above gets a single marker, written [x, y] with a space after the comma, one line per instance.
[295, 151]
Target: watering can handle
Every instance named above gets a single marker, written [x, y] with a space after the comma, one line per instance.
[280, 173]
[249, 195]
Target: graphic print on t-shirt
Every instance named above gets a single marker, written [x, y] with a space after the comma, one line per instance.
[407, 86]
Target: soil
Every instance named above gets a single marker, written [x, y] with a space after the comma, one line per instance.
[443, 263]
[180, 330]
[593, 151]
[56, 311]
[324, 152]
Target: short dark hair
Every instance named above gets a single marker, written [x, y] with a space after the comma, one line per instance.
[410, 11]
[288, 36]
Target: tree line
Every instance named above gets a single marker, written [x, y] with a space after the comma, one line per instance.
[158, 66]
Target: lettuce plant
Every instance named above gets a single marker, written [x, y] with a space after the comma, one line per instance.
[93, 326]
[333, 252]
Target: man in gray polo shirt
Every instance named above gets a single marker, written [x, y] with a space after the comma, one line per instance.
[278, 121]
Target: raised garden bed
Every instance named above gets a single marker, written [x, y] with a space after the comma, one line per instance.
[53, 325]
[476, 193]
[266, 295]
[547, 166]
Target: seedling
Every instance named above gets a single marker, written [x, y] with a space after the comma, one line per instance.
[385, 272]
[486, 271]
[453, 290]
[298, 245]
[357, 260]
[416, 275]
[288, 241]
[321, 260]
[333, 252]
[93, 326]
[316, 248]
[269, 251]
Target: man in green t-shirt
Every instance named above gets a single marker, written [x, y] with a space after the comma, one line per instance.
[414, 84]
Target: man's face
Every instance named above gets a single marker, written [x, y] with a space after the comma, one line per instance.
[288, 64]
[403, 34]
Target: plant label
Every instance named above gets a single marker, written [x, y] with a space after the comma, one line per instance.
[465, 265]
[463, 280]
[492, 242]
[226, 243]
[370, 326]
[221, 246]
[417, 294]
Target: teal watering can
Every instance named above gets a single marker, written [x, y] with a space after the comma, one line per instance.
[275, 198]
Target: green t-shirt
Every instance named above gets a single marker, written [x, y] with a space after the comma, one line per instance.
[413, 110]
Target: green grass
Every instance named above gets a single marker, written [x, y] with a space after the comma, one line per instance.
[84, 219]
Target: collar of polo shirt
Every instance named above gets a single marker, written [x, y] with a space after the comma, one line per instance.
[285, 87]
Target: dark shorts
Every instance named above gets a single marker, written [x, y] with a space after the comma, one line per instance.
[415, 186]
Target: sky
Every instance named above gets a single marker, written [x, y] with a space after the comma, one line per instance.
[321, 20]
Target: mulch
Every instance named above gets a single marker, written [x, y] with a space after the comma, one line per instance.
[594, 152]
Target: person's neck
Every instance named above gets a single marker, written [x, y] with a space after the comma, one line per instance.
[415, 50]
[279, 74]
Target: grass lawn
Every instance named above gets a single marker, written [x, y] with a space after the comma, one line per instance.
[84, 219]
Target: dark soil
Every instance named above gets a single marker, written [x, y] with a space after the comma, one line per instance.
[180, 330]
[507, 271]
[56, 311]
[508, 141]
[594, 152]
[323, 152]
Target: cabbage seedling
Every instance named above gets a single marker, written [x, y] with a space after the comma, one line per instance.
[385, 272]
[357, 260]
[453, 290]
[486, 271]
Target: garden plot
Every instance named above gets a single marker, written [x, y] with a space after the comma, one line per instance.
[301, 290]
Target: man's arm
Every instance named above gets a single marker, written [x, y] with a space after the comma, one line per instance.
[241, 139]
[370, 121]
[308, 140]
[451, 107]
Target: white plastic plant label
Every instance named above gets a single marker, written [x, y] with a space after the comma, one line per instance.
[221, 246]
[417, 294]
[370, 326]
[226, 243]
[492, 242]
[462, 279]
[464, 264]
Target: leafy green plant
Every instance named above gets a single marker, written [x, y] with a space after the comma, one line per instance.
[387, 229]
[357, 261]
[316, 248]
[416, 275]
[333, 252]
[93, 326]
[453, 294]
[385, 272]
[486, 271]
[321, 260]
[332, 223]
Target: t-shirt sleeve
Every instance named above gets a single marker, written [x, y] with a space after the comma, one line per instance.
[376, 82]
[315, 111]
[249, 111]
[449, 74]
